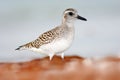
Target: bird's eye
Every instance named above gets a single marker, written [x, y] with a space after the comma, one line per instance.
[70, 13]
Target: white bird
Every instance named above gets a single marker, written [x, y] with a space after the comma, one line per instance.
[58, 39]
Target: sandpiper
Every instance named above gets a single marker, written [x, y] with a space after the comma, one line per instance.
[56, 40]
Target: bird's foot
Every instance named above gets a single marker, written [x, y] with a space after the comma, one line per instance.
[51, 56]
[62, 56]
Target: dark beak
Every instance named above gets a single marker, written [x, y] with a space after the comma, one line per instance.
[81, 18]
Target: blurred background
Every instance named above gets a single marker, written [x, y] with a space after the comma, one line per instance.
[22, 21]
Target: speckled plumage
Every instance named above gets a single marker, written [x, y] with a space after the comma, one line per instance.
[58, 39]
[45, 38]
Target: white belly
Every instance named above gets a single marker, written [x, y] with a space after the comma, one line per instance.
[56, 46]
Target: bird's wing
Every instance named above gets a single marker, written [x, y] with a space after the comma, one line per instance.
[45, 38]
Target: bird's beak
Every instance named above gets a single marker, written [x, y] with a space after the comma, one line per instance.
[81, 18]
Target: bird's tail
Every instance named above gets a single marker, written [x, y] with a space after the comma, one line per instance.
[20, 48]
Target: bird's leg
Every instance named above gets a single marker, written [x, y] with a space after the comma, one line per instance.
[62, 55]
[51, 56]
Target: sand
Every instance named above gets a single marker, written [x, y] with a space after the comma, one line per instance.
[71, 68]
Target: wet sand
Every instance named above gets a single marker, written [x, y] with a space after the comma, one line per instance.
[71, 68]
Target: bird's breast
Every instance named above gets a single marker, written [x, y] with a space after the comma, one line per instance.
[59, 44]
[63, 42]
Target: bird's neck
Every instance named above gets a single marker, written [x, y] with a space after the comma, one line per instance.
[68, 23]
[68, 26]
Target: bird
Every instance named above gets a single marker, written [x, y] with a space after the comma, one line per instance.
[58, 39]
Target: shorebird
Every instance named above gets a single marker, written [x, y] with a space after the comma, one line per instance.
[58, 39]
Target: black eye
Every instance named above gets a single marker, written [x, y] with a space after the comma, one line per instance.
[70, 13]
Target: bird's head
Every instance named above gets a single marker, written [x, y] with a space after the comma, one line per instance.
[70, 15]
